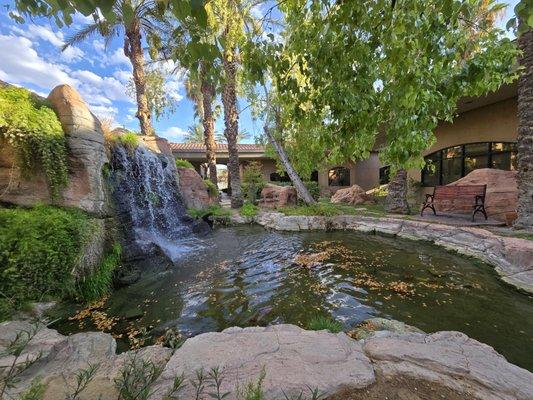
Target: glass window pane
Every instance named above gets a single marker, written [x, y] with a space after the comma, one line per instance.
[501, 161]
[476, 148]
[451, 152]
[451, 170]
[503, 147]
[431, 172]
[472, 163]
[514, 162]
[339, 176]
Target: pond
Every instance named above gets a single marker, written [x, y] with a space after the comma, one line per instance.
[246, 276]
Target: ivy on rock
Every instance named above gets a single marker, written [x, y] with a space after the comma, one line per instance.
[32, 128]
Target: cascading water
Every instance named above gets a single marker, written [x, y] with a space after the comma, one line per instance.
[148, 203]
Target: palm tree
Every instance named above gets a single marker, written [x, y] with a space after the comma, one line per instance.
[134, 18]
[242, 135]
[525, 133]
[201, 90]
[195, 134]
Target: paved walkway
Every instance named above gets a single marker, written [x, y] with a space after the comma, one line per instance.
[456, 219]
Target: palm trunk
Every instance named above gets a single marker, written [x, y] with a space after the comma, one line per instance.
[208, 95]
[396, 201]
[525, 134]
[134, 51]
[231, 129]
[302, 191]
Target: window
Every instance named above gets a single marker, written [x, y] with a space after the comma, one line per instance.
[277, 177]
[314, 176]
[384, 175]
[452, 163]
[339, 176]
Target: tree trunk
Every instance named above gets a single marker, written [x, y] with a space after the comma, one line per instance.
[208, 95]
[134, 51]
[302, 191]
[525, 134]
[231, 129]
[396, 201]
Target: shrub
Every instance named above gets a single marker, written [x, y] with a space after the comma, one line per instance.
[33, 129]
[320, 322]
[248, 210]
[322, 209]
[129, 139]
[39, 249]
[211, 188]
[214, 210]
[180, 163]
[313, 188]
[252, 181]
[98, 284]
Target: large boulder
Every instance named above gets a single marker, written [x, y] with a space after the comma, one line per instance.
[501, 198]
[58, 360]
[193, 189]
[353, 195]
[274, 196]
[86, 157]
[449, 359]
[292, 359]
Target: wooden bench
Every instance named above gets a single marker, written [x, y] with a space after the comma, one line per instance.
[475, 194]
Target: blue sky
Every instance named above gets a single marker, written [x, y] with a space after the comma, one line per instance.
[30, 56]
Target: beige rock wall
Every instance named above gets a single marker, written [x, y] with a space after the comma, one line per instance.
[86, 157]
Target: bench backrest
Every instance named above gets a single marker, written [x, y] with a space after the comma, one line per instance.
[459, 191]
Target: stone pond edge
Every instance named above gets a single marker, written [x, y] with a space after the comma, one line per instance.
[512, 258]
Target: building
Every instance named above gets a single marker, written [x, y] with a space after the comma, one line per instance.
[483, 135]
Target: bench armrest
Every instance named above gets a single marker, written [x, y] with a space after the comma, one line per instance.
[480, 199]
[429, 198]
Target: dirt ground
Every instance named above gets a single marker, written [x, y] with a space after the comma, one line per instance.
[402, 389]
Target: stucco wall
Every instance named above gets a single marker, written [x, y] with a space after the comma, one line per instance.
[367, 172]
[493, 123]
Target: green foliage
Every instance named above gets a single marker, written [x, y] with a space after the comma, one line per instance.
[248, 210]
[313, 189]
[83, 378]
[253, 390]
[211, 188]
[136, 378]
[252, 181]
[39, 249]
[33, 129]
[319, 323]
[180, 163]
[35, 391]
[403, 70]
[327, 209]
[160, 102]
[129, 140]
[99, 283]
[213, 210]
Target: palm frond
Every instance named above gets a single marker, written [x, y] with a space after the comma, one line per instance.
[82, 34]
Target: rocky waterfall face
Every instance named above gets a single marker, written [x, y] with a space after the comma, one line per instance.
[148, 204]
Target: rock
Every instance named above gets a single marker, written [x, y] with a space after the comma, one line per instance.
[501, 198]
[353, 195]
[86, 157]
[200, 227]
[368, 327]
[193, 189]
[274, 196]
[63, 357]
[87, 154]
[396, 200]
[292, 358]
[450, 359]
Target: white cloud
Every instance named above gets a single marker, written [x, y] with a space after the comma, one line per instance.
[122, 75]
[104, 111]
[174, 134]
[45, 33]
[25, 66]
[117, 58]
[72, 54]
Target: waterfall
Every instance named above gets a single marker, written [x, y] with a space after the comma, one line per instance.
[148, 203]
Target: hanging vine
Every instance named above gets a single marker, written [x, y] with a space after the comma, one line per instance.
[32, 128]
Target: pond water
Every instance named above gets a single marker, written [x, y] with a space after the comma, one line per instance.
[246, 276]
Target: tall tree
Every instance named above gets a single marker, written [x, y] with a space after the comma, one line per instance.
[345, 72]
[132, 19]
[202, 91]
[195, 134]
[524, 11]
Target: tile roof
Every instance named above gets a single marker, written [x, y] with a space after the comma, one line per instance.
[222, 147]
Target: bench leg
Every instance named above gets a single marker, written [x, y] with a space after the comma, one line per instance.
[426, 205]
[481, 209]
